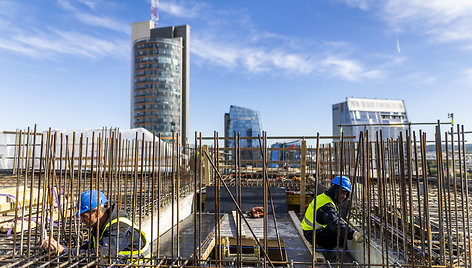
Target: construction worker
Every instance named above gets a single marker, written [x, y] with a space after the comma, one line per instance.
[327, 220]
[114, 227]
[286, 167]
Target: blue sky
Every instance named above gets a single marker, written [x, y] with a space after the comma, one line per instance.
[65, 64]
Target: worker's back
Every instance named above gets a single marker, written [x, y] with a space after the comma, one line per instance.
[118, 230]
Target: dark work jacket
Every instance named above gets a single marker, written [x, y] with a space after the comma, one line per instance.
[328, 215]
[110, 236]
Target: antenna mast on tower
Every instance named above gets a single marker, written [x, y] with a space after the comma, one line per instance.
[155, 12]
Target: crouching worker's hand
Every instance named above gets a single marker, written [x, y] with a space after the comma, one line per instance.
[53, 246]
[358, 237]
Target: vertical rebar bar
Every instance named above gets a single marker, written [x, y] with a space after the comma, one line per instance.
[466, 186]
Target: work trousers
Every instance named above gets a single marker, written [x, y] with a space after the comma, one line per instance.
[324, 238]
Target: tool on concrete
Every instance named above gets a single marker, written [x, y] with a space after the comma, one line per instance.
[256, 212]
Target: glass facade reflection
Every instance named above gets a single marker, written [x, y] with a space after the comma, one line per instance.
[287, 154]
[247, 122]
[157, 85]
[366, 113]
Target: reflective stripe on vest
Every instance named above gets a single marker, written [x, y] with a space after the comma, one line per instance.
[145, 251]
[321, 200]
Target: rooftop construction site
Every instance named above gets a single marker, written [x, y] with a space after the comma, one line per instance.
[192, 201]
[363, 184]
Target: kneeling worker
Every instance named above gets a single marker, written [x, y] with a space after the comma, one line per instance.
[114, 227]
[325, 216]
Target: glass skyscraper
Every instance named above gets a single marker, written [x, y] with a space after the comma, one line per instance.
[360, 114]
[159, 100]
[247, 122]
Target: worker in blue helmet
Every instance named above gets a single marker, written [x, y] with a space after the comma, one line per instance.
[324, 216]
[114, 227]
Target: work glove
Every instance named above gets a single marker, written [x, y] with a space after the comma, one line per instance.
[54, 246]
[358, 237]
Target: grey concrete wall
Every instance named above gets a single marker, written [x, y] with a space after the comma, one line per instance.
[357, 252]
[165, 217]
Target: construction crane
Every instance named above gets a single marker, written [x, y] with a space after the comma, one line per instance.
[155, 12]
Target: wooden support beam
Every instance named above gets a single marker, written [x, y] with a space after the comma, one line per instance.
[298, 226]
[206, 167]
[209, 243]
[302, 177]
[243, 233]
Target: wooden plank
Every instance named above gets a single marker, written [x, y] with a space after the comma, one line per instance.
[7, 204]
[6, 226]
[298, 226]
[11, 191]
[209, 243]
[243, 233]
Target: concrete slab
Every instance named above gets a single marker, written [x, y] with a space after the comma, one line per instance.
[295, 248]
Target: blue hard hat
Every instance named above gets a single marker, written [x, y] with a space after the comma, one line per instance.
[345, 182]
[83, 204]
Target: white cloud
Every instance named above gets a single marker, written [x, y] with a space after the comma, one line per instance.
[92, 19]
[180, 10]
[90, 3]
[461, 31]
[103, 22]
[8, 8]
[52, 41]
[432, 12]
[444, 21]
[362, 4]
[18, 48]
[65, 4]
[419, 78]
[468, 75]
[215, 53]
[57, 42]
[256, 59]
[390, 60]
[349, 70]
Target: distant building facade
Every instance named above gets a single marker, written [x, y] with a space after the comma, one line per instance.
[247, 122]
[288, 153]
[160, 78]
[365, 113]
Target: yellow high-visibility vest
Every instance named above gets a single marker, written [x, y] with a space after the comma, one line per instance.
[321, 200]
[144, 252]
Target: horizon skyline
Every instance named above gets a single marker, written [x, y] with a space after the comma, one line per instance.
[66, 65]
